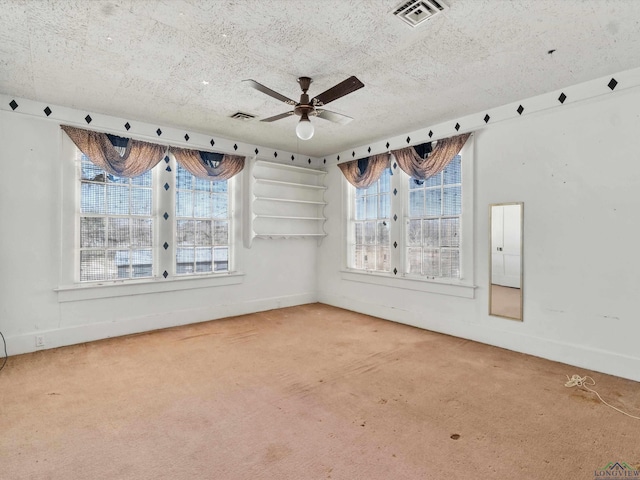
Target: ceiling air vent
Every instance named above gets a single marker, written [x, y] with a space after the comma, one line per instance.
[414, 12]
[242, 116]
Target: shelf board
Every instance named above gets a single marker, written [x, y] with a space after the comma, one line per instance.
[290, 184]
[286, 217]
[290, 200]
[285, 166]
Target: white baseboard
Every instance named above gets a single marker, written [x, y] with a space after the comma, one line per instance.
[25, 343]
[608, 362]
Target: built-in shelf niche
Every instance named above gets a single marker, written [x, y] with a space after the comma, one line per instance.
[284, 201]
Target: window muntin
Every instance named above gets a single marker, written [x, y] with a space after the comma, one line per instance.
[202, 225]
[434, 223]
[116, 225]
[371, 219]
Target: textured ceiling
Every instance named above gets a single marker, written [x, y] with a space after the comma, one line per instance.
[147, 60]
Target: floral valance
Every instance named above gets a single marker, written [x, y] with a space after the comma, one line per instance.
[364, 172]
[126, 157]
[424, 161]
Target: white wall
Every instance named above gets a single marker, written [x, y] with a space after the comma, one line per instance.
[577, 170]
[276, 272]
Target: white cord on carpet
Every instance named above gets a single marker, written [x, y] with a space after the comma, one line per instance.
[578, 381]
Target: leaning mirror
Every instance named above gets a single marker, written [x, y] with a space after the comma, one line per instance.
[505, 273]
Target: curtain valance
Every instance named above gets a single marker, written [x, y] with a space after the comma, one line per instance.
[424, 161]
[208, 165]
[362, 173]
[138, 157]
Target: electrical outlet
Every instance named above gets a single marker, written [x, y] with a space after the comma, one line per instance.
[39, 340]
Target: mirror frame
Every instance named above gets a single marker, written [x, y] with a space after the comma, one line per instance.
[521, 313]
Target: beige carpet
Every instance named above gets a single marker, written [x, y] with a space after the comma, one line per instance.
[309, 392]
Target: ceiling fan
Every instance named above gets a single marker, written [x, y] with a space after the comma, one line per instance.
[311, 106]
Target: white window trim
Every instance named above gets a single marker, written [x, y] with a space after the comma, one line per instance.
[465, 286]
[71, 289]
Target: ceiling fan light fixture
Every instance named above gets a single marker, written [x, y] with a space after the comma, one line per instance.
[304, 129]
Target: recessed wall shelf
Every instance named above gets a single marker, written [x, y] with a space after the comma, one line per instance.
[283, 202]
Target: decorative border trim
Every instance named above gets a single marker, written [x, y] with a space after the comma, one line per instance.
[146, 131]
[547, 101]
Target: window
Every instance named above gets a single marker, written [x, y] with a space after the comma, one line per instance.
[116, 226]
[400, 228]
[121, 222]
[202, 224]
[434, 215]
[371, 218]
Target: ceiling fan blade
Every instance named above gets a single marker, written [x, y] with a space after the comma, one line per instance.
[271, 93]
[350, 85]
[277, 117]
[334, 117]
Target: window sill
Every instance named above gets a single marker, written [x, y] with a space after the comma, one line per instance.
[407, 283]
[79, 292]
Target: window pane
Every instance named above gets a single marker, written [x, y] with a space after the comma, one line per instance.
[203, 232]
[220, 206]
[202, 205]
[203, 260]
[92, 198]
[220, 187]
[431, 229]
[360, 207]
[142, 263]
[450, 263]
[90, 171]
[184, 203]
[221, 233]
[434, 181]
[202, 184]
[118, 264]
[385, 181]
[184, 260]
[382, 259]
[221, 259]
[141, 201]
[431, 262]
[358, 259]
[92, 232]
[118, 199]
[450, 232]
[185, 232]
[118, 232]
[453, 172]
[92, 265]
[370, 257]
[143, 180]
[369, 233]
[416, 203]
[383, 233]
[384, 206]
[359, 239]
[372, 207]
[452, 201]
[414, 235]
[183, 178]
[415, 260]
[141, 232]
[433, 202]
